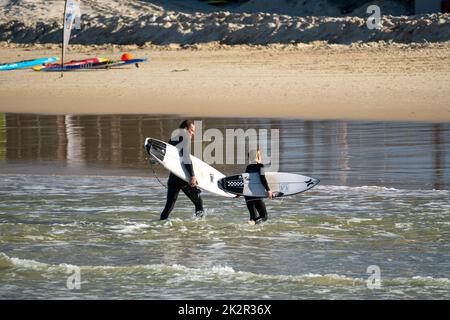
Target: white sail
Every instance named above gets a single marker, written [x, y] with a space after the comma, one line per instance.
[72, 17]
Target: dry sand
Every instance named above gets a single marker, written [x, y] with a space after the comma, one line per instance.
[317, 81]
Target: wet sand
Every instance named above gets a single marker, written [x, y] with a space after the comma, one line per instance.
[317, 81]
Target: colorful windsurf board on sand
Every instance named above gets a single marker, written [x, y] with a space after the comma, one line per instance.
[118, 63]
[26, 63]
[71, 63]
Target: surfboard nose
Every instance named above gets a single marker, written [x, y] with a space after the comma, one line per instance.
[147, 144]
[311, 182]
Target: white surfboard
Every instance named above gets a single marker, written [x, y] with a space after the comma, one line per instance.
[281, 184]
[168, 156]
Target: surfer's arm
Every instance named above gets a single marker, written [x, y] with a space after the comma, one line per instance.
[263, 178]
[189, 169]
[188, 166]
[193, 181]
[265, 184]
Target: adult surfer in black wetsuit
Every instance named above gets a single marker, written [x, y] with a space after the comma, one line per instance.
[175, 184]
[256, 204]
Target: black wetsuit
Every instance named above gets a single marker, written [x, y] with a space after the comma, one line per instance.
[175, 184]
[256, 204]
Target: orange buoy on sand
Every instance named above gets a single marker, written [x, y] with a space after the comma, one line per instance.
[126, 56]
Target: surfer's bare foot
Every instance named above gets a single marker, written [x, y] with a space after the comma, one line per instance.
[199, 214]
[260, 220]
[251, 222]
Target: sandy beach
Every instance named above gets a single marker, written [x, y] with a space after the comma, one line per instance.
[278, 59]
[374, 81]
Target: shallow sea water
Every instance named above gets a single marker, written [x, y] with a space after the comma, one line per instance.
[77, 197]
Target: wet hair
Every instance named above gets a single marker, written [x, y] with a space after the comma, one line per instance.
[254, 155]
[186, 124]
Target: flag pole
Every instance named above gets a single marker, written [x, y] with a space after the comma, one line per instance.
[62, 40]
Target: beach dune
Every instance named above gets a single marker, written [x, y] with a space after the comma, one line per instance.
[189, 22]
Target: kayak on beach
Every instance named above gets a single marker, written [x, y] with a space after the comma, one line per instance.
[26, 63]
[118, 63]
[71, 63]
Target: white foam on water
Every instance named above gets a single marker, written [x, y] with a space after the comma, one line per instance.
[379, 190]
[323, 239]
[357, 220]
[415, 281]
[317, 275]
[387, 234]
[34, 238]
[129, 228]
[356, 188]
[177, 273]
[322, 291]
[431, 279]
[22, 263]
[217, 245]
[223, 270]
[58, 231]
[403, 226]
[327, 226]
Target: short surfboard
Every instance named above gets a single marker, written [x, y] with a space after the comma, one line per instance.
[281, 184]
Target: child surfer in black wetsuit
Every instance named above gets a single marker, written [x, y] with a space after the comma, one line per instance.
[256, 204]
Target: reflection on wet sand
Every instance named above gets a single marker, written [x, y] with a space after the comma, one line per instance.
[343, 158]
[2, 138]
[439, 155]
[338, 152]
